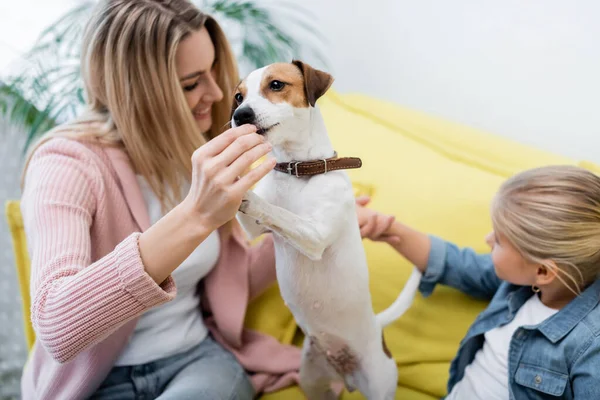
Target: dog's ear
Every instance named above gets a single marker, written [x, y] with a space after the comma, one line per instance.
[316, 82]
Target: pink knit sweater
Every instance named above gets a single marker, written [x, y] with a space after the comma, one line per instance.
[83, 213]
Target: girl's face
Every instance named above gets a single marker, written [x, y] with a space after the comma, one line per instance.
[195, 59]
[509, 264]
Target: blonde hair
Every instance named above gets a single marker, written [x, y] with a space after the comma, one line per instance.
[553, 214]
[133, 95]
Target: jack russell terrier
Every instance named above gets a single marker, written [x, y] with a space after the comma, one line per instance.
[308, 203]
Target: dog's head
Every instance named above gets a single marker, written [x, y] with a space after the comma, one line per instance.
[277, 99]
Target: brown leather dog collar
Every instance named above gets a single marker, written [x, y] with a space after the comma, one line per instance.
[316, 167]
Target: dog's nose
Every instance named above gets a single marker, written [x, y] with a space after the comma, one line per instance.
[244, 115]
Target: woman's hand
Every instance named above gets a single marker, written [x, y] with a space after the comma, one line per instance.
[374, 225]
[215, 195]
[217, 184]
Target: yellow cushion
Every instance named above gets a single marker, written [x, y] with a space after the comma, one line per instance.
[294, 393]
[15, 224]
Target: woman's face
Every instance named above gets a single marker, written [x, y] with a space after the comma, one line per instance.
[194, 61]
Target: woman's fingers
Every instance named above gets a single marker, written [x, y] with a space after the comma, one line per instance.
[240, 165]
[223, 141]
[238, 148]
[246, 182]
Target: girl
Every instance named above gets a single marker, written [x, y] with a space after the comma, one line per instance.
[129, 217]
[539, 338]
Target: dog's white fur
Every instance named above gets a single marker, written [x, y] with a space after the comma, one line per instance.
[320, 259]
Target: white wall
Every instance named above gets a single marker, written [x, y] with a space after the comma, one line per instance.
[22, 21]
[528, 70]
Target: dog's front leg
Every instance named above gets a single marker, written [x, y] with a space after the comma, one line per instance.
[308, 237]
[252, 229]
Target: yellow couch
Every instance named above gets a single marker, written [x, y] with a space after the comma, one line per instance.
[432, 174]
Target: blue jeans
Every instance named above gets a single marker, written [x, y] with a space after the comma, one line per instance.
[207, 371]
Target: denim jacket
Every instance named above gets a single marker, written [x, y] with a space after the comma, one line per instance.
[558, 358]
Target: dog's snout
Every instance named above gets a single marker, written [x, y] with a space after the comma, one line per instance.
[244, 115]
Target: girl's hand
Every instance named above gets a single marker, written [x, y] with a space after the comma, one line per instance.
[217, 184]
[374, 225]
[410, 243]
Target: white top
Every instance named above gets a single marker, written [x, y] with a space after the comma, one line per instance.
[176, 326]
[486, 378]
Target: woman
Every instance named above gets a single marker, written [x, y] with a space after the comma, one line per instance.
[129, 215]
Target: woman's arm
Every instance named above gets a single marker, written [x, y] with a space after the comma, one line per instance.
[217, 187]
[76, 303]
[167, 243]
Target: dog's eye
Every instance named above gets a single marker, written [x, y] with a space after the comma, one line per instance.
[276, 85]
[239, 98]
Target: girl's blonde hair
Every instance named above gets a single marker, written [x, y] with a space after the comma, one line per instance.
[553, 214]
[133, 95]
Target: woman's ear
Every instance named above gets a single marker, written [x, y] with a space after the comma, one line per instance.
[545, 273]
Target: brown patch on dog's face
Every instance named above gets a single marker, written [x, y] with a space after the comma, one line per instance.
[316, 82]
[283, 82]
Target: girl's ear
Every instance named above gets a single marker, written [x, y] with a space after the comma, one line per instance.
[545, 273]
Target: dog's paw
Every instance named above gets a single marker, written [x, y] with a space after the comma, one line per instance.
[246, 202]
[251, 205]
[244, 206]
[251, 196]
[248, 208]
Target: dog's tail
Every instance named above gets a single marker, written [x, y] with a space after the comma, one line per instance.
[402, 302]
